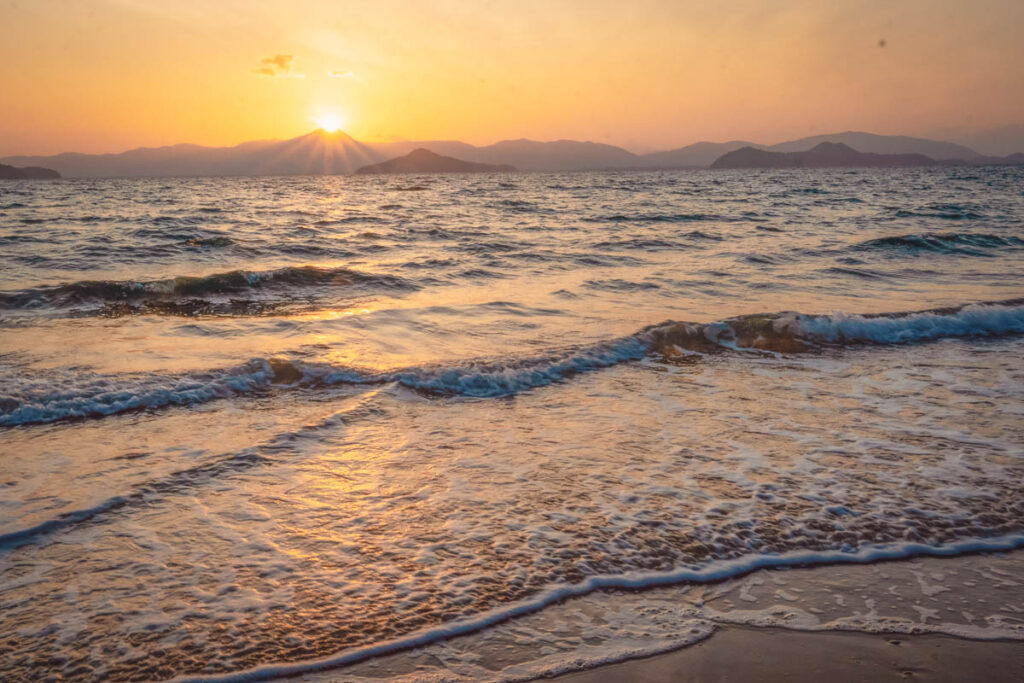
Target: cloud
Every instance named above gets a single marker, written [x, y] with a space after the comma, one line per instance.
[340, 73]
[281, 62]
[278, 65]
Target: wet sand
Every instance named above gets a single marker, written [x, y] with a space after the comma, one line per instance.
[770, 655]
[832, 623]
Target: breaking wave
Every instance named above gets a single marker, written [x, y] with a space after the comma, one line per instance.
[77, 396]
[790, 332]
[100, 395]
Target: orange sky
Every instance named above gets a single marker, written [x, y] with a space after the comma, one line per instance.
[108, 75]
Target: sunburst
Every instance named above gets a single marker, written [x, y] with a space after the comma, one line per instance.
[329, 121]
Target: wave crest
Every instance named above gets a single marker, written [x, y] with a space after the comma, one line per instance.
[230, 282]
[35, 401]
[943, 243]
[791, 332]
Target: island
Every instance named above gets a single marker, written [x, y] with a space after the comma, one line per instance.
[424, 161]
[824, 155]
[27, 173]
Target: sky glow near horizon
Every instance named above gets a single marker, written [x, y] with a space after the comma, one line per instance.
[108, 75]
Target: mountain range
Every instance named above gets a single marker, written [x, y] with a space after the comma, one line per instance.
[29, 173]
[424, 161]
[822, 155]
[323, 153]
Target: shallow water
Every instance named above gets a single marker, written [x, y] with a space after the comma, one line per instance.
[254, 422]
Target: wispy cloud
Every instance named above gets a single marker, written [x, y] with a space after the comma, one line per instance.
[280, 62]
[340, 73]
[279, 65]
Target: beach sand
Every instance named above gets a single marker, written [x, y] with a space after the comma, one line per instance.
[957, 619]
[770, 655]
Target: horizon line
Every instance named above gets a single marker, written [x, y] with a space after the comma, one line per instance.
[341, 132]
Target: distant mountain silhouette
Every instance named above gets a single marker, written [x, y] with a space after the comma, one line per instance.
[560, 155]
[882, 144]
[175, 160]
[1009, 160]
[317, 153]
[322, 153]
[823, 155]
[425, 161]
[451, 148]
[27, 173]
[696, 155]
[996, 141]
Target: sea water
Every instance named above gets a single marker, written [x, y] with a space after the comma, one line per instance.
[252, 427]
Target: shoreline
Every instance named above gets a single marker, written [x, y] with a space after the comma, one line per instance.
[727, 573]
[770, 655]
[924, 618]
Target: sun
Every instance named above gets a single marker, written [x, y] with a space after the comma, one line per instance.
[330, 122]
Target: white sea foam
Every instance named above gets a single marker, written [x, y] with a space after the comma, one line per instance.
[95, 396]
[608, 627]
[85, 395]
[715, 571]
[973, 320]
[505, 381]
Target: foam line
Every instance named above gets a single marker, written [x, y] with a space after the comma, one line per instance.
[717, 571]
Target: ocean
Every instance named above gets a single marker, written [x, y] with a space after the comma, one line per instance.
[263, 426]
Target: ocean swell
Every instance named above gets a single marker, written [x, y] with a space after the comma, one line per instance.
[967, 244]
[977, 320]
[79, 396]
[100, 395]
[790, 332]
[185, 287]
[33, 401]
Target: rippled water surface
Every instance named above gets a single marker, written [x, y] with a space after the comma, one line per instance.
[250, 424]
